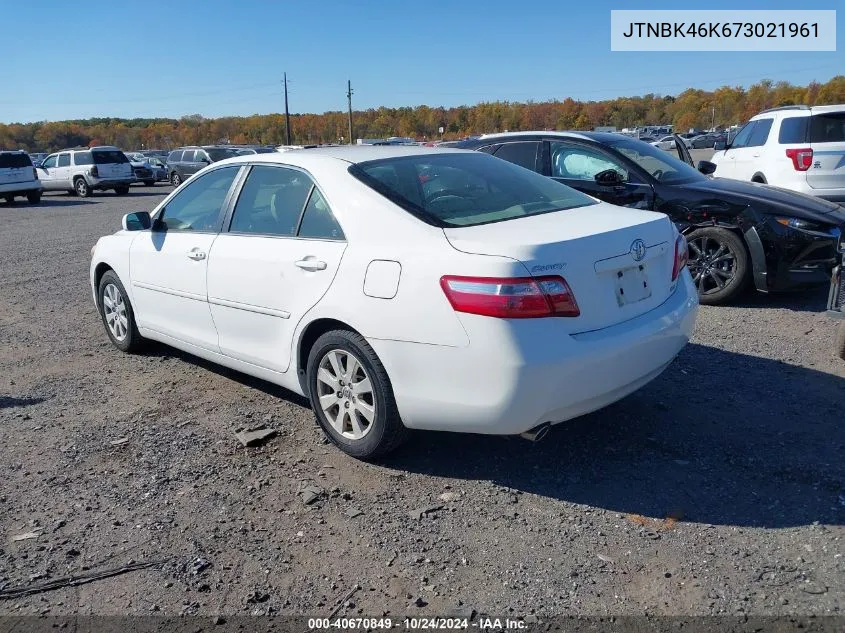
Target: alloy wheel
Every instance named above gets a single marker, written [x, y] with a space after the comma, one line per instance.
[114, 309]
[346, 394]
[712, 264]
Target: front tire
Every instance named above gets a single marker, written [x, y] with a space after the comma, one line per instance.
[33, 197]
[175, 179]
[718, 263]
[839, 345]
[9, 199]
[122, 191]
[81, 188]
[117, 314]
[352, 397]
[149, 183]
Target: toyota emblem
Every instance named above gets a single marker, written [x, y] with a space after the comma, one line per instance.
[638, 250]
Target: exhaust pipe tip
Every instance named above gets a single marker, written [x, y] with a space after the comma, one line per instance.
[537, 433]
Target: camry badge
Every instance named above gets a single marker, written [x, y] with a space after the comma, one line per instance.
[638, 250]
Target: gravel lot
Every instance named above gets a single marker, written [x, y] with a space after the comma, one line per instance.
[719, 488]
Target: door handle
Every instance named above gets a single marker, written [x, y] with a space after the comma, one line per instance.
[196, 254]
[755, 155]
[311, 264]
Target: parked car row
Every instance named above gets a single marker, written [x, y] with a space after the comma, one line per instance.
[739, 234]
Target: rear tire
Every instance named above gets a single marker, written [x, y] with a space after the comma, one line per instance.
[718, 263]
[122, 191]
[117, 314]
[149, 183]
[81, 188]
[33, 197]
[9, 199]
[839, 345]
[348, 383]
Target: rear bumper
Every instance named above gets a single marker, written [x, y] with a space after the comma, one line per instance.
[20, 188]
[110, 183]
[516, 374]
[836, 194]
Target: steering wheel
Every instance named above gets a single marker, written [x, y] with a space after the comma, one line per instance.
[658, 174]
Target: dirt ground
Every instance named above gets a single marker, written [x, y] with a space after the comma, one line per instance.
[717, 489]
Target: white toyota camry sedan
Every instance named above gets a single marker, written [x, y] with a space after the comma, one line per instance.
[403, 288]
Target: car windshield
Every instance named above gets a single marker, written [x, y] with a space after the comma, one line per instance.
[219, 153]
[662, 165]
[106, 156]
[465, 189]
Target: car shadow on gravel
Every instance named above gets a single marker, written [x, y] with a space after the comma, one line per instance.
[9, 402]
[719, 438]
[810, 300]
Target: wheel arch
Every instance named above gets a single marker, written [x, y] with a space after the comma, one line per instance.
[309, 335]
[99, 270]
[759, 177]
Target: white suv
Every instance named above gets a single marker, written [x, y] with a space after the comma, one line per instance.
[795, 147]
[18, 177]
[84, 170]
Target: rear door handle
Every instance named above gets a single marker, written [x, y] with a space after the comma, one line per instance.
[311, 264]
[196, 254]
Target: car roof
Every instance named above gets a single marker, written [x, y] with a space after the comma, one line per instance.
[801, 110]
[598, 137]
[346, 153]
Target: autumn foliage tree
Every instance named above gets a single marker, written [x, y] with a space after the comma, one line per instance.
[692, 108]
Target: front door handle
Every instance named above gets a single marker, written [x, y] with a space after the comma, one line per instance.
[311, 264]
[196, 254]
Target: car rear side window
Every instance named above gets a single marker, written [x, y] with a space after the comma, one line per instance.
[64, 160]
[760, 132]
[83, 158]
[271, 201]
[108, 156]
[174, 157]
[793, 129]
[14, 160]
[523, 154]
[827, 128]
[465, 188]
[318, 221]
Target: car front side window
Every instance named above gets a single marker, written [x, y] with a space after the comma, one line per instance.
[197, 207]
[64, 160]
[50, 161]
[744, 136]
[576, 162]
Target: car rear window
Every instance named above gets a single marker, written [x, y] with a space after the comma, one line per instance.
[104, 157]
[827, 128]
[14, 160]
[465, 189]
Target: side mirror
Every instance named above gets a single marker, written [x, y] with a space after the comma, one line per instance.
[720, 145]
[706, 167]
[37, 164]
[205, 160]
[138, 221]
[609, 178]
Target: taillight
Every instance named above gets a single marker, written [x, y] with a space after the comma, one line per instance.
[681, 256]
[802, 159]
[35, 173]
[95, 172]
[511, 297]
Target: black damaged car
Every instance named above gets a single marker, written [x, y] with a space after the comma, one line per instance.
[739, 233]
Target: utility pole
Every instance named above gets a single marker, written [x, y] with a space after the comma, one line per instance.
[287, 114]
[349, 99]
[713, 120]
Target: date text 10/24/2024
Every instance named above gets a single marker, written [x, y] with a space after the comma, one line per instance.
[419, 624]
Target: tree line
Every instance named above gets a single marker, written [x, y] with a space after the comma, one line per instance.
[691, 108]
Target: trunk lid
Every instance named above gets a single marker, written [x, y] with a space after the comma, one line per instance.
[827, 138]
[595, 249]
